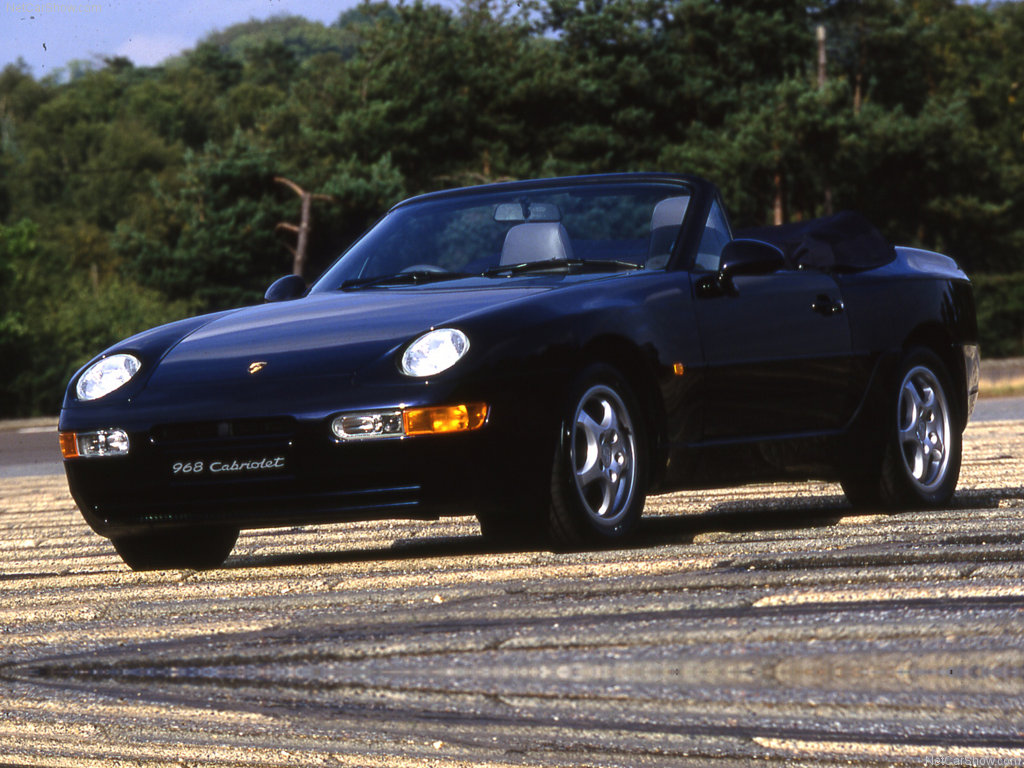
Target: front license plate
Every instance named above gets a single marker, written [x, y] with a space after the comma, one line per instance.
[228, 468]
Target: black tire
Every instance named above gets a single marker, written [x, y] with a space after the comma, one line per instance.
[917, 465]
[600, 471]
[198, 549]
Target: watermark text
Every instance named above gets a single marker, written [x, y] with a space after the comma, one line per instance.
[40, 9]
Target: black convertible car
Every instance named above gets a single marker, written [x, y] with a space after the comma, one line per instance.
[542, 355]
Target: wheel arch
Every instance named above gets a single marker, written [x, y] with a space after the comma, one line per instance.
[935, 337]
[639, 371]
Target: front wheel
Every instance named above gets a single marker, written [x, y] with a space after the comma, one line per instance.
[599, 478]
[920, 458]
[198, 549]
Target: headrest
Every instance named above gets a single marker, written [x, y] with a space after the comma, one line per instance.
[669, 212]
[536, 241]
[666, 220]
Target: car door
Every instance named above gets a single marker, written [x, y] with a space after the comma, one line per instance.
[776, 346]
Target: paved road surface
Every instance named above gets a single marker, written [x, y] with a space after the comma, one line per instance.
[999, 409]
[768, 625]
[29, 448]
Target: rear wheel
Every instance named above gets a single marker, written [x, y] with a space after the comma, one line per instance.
[599, 478]
[918, 464]
[195, 548]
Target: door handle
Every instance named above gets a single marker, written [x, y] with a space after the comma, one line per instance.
[827, 306]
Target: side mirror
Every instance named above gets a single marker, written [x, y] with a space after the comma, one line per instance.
[748, 257]
[285, 288]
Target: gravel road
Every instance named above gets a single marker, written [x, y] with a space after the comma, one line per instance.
[762, 625]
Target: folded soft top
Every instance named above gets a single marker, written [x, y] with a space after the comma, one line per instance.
[845, 241]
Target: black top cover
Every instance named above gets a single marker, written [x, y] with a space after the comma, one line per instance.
[846, 242]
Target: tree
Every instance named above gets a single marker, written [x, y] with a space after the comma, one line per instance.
[17, 247]
[216, 246]
[154, 185]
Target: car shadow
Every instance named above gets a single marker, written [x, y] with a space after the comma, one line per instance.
[986, 497]
[742, 516]
[745, 517]
[426, 547]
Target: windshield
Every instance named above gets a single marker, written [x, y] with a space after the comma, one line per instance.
[502, 233]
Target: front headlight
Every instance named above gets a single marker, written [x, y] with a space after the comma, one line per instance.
[434, 351]
[104, 376]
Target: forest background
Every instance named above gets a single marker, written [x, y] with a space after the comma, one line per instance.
[132, 196]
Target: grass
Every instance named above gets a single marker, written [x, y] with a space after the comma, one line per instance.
[1005, 383]
[1002, 389]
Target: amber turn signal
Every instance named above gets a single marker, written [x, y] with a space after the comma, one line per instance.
[69, 445]
[450, 418]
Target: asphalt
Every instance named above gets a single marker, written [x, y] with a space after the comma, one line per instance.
[758, 626]
[28, 448]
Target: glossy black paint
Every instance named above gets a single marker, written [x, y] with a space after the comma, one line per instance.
[780, 368]
[748, 257]
[286, 288]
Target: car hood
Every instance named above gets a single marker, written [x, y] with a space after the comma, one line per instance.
[323, 336]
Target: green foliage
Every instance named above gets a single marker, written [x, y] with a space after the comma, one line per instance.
[55, 317]
[87, 317]
[17, 246]
[1000, 301]
[131, 195]
[215, 244]
[301, 38]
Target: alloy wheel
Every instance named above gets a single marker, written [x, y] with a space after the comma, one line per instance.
[924, 428]
[603, 455]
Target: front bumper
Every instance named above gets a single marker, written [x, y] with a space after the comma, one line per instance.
[266, 471]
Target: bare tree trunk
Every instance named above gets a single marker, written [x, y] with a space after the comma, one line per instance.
[299, 265]
[777, 207]
[822, 79]
[305, 224]
[822, 59]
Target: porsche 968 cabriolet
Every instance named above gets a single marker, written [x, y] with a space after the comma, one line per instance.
[542, 355]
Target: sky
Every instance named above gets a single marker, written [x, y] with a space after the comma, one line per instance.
[48, 35]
